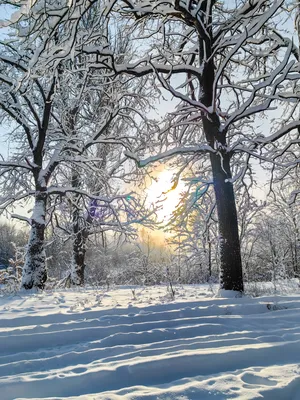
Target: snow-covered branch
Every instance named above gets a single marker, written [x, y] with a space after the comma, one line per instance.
[202, 149]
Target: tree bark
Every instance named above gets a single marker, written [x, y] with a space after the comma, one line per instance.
[209, 252]
[231, 276]
[34, 273]
[295, 245]
[80, 236]
[231, 273]
[78, 262]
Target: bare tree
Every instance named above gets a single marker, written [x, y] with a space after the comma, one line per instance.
[39, 111]
[105, 119]
[27, 106]
[225, 63]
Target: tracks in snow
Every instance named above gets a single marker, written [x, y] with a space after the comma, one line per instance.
[115, 352]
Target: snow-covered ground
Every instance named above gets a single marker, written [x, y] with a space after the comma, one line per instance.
[125, 344]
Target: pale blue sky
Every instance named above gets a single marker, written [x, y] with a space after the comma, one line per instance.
[5, 12]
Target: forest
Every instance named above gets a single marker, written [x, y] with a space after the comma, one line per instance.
[101, 99]
[149, 199]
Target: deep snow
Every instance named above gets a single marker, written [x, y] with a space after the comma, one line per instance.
[133, 344]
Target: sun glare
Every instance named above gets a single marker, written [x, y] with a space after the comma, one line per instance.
[160, 193]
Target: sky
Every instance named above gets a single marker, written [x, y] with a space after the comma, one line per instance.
[4, 141]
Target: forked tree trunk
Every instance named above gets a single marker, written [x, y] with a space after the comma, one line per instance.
[231, 276]
[34, 273]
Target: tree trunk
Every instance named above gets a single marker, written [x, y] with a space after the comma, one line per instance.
[81, 227]
[209, 252]
[34, 273]
[78, 262]
[78, 227]
[296, 245]
[231, 272]
[231, 276]
[79, 241]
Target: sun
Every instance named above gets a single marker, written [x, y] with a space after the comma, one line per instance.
[160, 193]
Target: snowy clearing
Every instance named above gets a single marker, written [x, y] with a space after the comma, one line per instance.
[132, 344]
